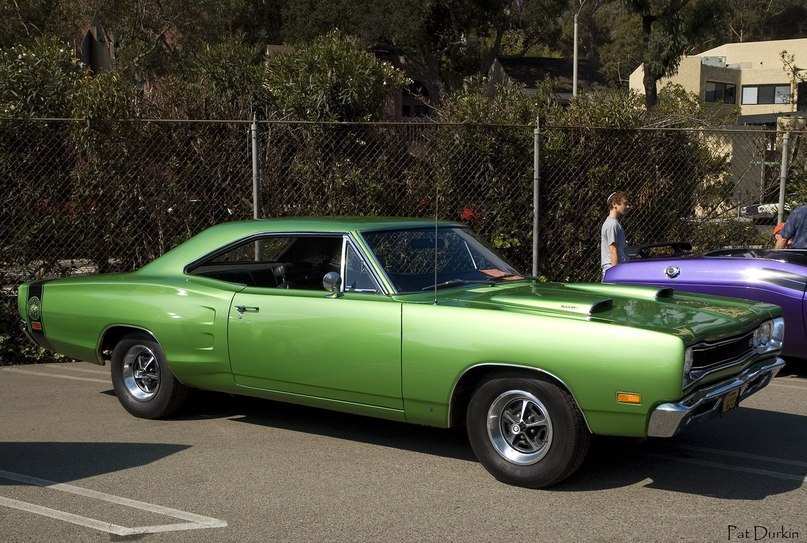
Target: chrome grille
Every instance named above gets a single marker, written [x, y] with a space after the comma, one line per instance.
[707, 355]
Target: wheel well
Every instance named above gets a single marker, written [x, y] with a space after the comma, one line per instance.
[471, 379]
[113, 335]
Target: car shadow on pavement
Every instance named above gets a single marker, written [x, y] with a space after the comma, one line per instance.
[749, 455]
[451, 443]
[793, 368]
[70, 461]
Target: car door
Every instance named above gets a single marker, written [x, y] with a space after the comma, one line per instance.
[303, 340]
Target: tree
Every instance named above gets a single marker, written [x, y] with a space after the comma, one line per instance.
[151, 37]
[669, 27]
[38, 80]
[435, 42]
[223, 80]
[22, 21]
[536, 23]
[331, 79]
[410, 32]
[621, 53]
[759, 20]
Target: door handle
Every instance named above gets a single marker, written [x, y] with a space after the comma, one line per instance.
[246, 309]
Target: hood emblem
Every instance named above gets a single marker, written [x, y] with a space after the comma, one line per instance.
[672, 272]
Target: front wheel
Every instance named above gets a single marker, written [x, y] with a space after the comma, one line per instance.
[526, 432]
[142, 380]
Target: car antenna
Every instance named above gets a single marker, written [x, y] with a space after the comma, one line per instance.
[436, 213]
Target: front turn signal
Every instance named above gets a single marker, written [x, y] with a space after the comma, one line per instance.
[628, 397]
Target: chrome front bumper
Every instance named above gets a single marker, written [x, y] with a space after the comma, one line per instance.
[668, 419]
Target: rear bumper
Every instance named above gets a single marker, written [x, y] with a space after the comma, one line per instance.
[668, 419]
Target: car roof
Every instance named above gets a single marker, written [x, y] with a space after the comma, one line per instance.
[175, 260]
[325, 224]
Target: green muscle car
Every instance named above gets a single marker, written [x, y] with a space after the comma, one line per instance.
[413, 321]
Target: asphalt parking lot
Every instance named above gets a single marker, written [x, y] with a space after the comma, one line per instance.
[74, 466]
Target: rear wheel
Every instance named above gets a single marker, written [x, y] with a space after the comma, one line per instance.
[526, 432]
[142, 380]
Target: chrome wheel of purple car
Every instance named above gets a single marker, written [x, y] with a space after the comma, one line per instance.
[519, 427]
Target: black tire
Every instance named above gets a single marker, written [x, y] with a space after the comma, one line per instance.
[526, 432]
[143, 382]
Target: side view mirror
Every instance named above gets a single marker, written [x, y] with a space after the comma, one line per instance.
[331, 282]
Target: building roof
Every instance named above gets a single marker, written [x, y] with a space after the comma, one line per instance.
[762, 119]
[753, 50]
[530, 71]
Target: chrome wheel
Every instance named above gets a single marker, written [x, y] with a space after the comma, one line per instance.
[525, 431]
[519, 427]
[141, 372]
[142, 378]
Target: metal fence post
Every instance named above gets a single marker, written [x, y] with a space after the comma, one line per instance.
[783, 176]
[256, 183]
[256, 179]
[536, 176]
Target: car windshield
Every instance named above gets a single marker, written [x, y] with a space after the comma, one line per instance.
[408, 257]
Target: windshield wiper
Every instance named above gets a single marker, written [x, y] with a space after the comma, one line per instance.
[457, 282]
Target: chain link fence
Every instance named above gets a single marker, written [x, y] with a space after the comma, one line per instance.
[700, 186]
[82, 198]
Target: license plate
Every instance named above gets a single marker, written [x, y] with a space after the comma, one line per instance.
[730, 401]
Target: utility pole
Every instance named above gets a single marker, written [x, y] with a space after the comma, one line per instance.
[574, 67]
[574, 61]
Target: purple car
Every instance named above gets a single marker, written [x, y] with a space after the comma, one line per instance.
[766, 275]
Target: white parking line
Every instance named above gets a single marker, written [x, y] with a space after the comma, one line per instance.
[70, 367]
[749, 456]
[780, 385]
[755, 471]
[72, 378]
[195, 522]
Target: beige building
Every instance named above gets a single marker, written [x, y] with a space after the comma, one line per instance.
[751, 75]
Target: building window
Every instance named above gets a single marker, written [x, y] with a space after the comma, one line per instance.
[766, 94]
[414, 101]
[720, 92]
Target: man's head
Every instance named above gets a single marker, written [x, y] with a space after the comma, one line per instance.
[618, 202]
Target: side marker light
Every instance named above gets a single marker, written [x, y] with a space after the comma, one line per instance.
[628, 397]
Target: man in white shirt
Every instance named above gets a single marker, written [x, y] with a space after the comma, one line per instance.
[613, 243]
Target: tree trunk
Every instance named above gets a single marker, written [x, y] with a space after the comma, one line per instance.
[487, 61]
[650, 77]
[649, 81]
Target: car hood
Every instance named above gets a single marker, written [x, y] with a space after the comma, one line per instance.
[688, 316]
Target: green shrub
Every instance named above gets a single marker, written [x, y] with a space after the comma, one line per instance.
[332, 79]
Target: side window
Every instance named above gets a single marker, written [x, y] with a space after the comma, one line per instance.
[266, 249]
[357, 277]
[294, 262]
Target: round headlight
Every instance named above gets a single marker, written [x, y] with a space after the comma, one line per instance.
[762, 335]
